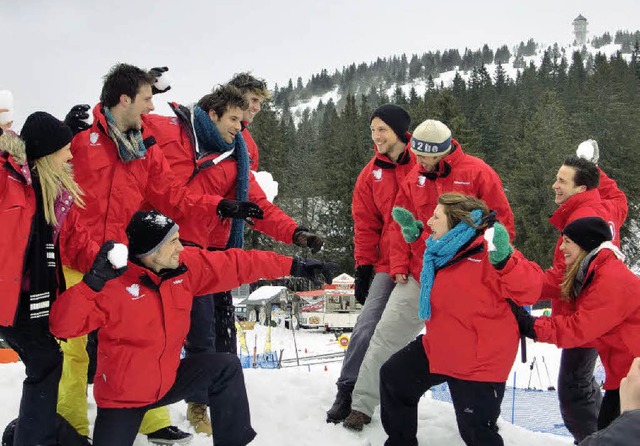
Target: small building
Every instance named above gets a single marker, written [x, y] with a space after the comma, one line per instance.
[580, 30]
[269, 303]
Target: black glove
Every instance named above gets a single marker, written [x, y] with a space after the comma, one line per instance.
[159, 86]
[102, 270]
[239, 209]
[310, 268]
[74, 118]
[525, 320]
[364, 276]
[305, 239]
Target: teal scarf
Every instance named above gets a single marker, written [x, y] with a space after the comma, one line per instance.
[438, 253]
[130, 143]
[211, 141]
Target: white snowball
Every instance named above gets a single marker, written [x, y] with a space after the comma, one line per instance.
[163, 81]
[266, 182]
[585, 150]
[6, 101]
[118, 255]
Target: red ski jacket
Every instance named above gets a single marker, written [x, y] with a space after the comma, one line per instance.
[613, 209]
[607, 315]
[373, 198]
[472, 334]
[115, 190]
[252, 148]
[419, 194]
[144, 318]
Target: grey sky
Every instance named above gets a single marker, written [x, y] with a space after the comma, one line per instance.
[57, 51]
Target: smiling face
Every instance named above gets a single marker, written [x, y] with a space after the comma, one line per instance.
[255, 104]
[167, 256]
[571, 250]
[565, 186]
[133, 109]
[438, 223]
[386, 139]
[229, 124]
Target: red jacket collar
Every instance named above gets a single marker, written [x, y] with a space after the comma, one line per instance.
[587, 198]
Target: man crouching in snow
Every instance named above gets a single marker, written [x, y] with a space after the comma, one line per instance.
[142, 310]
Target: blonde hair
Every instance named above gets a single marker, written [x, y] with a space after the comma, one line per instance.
[566, 287]
[458, 207]
[52, 183]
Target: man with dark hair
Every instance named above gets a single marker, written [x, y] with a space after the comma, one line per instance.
[255, 92]
[581, 190]
[142, 312]
[119, 167]
[373, 198]
[207, 149]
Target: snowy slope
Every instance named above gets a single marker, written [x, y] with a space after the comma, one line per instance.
[288, 405]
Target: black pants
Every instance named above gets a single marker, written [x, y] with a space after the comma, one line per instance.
[578, 392]
[42, 359]
[212, 330]
[610, 409]
[405, 377]
[220, 374]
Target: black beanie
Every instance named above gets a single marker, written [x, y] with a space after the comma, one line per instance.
[147, 231]
[43, 135]
[395, 117]
[588, 232]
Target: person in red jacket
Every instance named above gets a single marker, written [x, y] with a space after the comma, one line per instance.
[373, 197]
[255, 92]
[605, 296]
[441, 167]
[471, 339]
[36, 191]
[142, 312]
[119, 167]
[581, 190]
[216, 147]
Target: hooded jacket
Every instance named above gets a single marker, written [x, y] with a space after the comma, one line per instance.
[607, 202]
[144, 318]
[472, 334]
[115, 190]
[419, 192]
[606, 315]
[373, 198]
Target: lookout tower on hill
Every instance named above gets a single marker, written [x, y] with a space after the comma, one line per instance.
[580, 30]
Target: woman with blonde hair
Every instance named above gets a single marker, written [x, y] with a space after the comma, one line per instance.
[606, 298]
[36, 192]
[471, 340]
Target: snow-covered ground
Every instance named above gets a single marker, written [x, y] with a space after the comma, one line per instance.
[288, 405]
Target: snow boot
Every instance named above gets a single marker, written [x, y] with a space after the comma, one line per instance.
[341, 407]
[198, 416]
[356, 420]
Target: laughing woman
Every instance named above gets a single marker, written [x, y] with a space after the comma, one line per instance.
[471, 338]
[606, 296]
[36, 191]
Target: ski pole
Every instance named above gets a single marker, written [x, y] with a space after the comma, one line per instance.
[531, 372]
[551, 387]
[293, 332]
[538, 373]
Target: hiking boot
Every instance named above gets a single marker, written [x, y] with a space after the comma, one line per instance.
[198, 416]
[356, 420]
[169, 435]
[341, 407]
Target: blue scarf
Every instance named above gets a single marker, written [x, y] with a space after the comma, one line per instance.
[130, 143]
[438, 253]
[210, 141]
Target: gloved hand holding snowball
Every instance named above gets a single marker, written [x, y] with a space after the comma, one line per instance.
[111, 262]
[162, 83]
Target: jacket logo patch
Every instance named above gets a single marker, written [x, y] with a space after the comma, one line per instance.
[93, 138]
[174, 121]
[377, 174]
[134, 290]
[471, 259]
[421, 180]
[465, 183]
[178, 282]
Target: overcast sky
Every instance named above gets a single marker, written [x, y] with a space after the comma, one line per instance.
[56, 52]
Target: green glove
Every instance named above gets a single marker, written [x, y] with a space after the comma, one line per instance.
[411, 228]
[502, 244]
